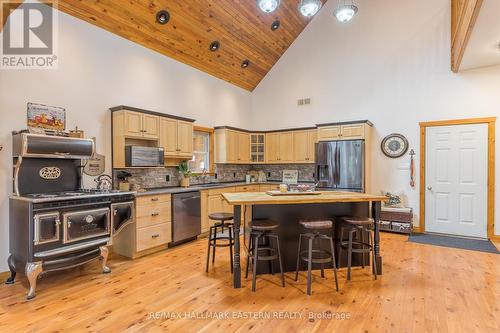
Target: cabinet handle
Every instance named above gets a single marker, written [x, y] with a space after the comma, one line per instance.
[155, 236]
[155, 214]
[154, 199]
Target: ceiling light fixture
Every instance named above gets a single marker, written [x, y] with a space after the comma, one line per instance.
[275, 26]
[214, 46]
[268, 6]
[245, 63]
[345, 12]
[162, 17]
[309, 8]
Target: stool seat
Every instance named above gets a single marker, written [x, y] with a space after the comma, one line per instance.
[221, 216]
[355, 220]
[264, 225]
[317, 224]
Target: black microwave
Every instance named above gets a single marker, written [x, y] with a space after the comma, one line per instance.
[137, 156]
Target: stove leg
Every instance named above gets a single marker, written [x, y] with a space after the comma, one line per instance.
[12, 268]
[104, 259]
[33, 270]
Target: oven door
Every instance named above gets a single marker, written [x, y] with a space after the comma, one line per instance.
[85, 224]
[46, 228]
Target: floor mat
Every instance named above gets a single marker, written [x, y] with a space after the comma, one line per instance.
[455, 242]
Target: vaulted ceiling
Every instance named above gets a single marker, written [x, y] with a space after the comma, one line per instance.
[244, 32]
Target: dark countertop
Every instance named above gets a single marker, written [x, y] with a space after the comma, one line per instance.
[178, 189]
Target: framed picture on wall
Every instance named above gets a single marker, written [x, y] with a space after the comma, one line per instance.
[46, 117]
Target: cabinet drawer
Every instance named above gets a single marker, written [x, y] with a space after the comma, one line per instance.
[150, 237]
[247, 188]
[270, 187]
[146, 200]
[148, 215]
[217, 191]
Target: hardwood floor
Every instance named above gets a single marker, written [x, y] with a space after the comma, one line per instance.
[423, 289]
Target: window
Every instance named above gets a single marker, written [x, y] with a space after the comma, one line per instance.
[202, 150]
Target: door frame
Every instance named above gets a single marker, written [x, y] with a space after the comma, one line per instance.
[491, 167]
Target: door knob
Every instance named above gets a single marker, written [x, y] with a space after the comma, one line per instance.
[429, 188]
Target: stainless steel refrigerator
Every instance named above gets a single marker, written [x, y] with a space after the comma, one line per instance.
[340, 165]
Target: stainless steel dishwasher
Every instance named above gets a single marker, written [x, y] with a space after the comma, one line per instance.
[186, 217]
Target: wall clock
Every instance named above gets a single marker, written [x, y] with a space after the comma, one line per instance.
[394, 145]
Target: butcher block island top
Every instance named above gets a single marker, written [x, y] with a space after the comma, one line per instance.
[262, 198]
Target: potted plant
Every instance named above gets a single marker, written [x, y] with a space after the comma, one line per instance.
[185, 173]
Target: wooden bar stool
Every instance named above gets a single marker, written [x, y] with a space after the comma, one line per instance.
[357, 226]
[316, 255]
[263, 230]
[222, 222]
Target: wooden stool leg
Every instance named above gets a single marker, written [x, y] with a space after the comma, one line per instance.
[349, 254]
[255, 258]
[334, 264]
[270, 253]
[374, 262]
[298, 259]
[208, 250]
[230, 229]
[309, 267]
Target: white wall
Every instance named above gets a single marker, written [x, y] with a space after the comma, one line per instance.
[98, 70]
[390, 65]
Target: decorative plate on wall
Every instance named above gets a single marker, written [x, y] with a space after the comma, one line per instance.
[394, 145]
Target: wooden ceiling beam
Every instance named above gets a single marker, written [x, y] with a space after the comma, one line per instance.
[464, 14]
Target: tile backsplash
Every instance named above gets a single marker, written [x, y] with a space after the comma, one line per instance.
[169, 176]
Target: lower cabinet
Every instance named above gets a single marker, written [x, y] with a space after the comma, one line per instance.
[152, 229]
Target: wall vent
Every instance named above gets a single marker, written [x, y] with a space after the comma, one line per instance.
[304, 101]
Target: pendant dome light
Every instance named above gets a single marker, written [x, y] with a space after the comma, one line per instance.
[345, 12]
[309, 8]
[268, 6]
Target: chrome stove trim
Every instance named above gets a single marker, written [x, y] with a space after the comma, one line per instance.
[131, 221]
[71, 248]
[37, 221]
[67, 198]
[63, 155]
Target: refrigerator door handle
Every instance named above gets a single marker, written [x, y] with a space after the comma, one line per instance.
[337, 162]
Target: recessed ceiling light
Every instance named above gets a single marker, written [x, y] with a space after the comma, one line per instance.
[268, 6]
[275, 26]
[162, 17]
[345, 12]
[245, 63]
[309, 8]
[214, 46]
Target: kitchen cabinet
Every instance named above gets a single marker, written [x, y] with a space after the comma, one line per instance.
[257, 148]
[279, 147]
[351, 131]
[176, 138]
[152, 230]
[304, 146]
[136, 127]
[232, 146]
[140, 125]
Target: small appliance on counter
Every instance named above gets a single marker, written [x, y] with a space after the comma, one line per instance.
[137, 156]
[54, 224]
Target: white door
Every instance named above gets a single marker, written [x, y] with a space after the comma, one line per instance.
[456, 180]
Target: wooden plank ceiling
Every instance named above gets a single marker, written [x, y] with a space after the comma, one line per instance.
[244, 32]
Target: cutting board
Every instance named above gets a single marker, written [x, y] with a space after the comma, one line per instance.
[278, 193]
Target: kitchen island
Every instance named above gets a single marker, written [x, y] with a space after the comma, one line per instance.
[290, 209]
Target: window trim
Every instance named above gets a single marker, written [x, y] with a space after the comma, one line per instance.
[210, 131]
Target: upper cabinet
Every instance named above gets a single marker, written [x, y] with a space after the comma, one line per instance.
[176, 138]
[132, 126]
[257, 148]
[139, 125]
[347, 131]
[280, 147]
[304, 146]
[232, 146]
